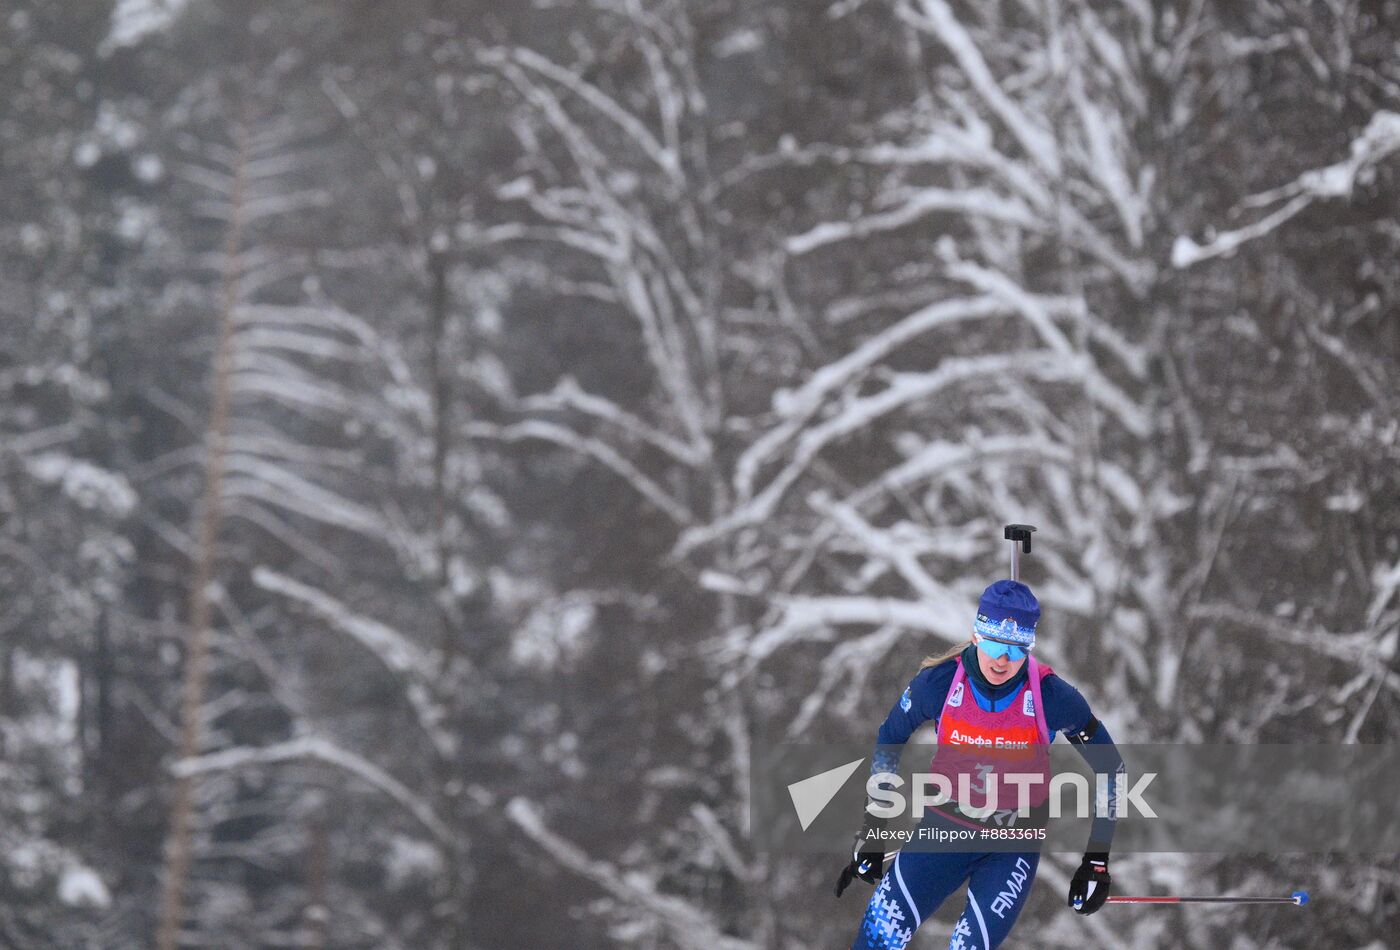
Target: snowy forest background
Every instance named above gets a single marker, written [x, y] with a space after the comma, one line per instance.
[438, 438]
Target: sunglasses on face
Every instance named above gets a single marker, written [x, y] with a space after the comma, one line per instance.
[998, 648]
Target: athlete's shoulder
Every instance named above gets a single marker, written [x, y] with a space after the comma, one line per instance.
[939, 674]
[931, 684]
[941, 668]
[1065, 706]
[1053, 684]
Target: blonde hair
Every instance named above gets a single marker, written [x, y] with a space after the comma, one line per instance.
[945, 656]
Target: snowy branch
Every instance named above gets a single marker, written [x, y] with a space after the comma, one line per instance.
[1353, 649]
[878, 543]
[250, 476]
[664, 157]
[689, 928]
[320, 750]
[1107, 161]
[595, 449]
[797, 406]
[854, 659]
[413, 666]
[905, 389]
[920, 204]
[568, 393]
[944, 616]
[1379, 140]
[938, 18]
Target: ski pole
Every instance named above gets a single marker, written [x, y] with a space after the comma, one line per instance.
[1298, 899]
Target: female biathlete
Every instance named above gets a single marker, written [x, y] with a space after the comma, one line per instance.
[989, 693]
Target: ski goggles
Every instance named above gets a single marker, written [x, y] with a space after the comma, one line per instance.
[996, 649]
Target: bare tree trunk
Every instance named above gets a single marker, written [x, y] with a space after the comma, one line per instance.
[7, 683]
[95, 696]
[317, 910]
[439, 370]
[440, 367]
[177, 853]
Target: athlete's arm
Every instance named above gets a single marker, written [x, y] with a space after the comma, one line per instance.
[1067, 712]
[921, 701]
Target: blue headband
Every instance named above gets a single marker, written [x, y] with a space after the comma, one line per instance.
[1005, 629]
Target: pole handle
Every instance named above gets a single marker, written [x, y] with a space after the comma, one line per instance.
[1021, 533]
[1020, 537]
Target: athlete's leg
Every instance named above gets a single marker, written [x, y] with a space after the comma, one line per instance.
[996, 892]
[915, 883]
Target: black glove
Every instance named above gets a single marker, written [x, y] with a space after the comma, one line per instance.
[1088, 889]
[868, 860]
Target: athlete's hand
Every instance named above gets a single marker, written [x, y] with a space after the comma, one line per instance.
[1088, 889]
[868, 860]
[869, 866]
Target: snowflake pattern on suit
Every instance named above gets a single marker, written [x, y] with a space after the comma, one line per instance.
[886, 924]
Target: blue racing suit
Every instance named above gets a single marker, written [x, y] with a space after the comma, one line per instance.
[916, 883]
